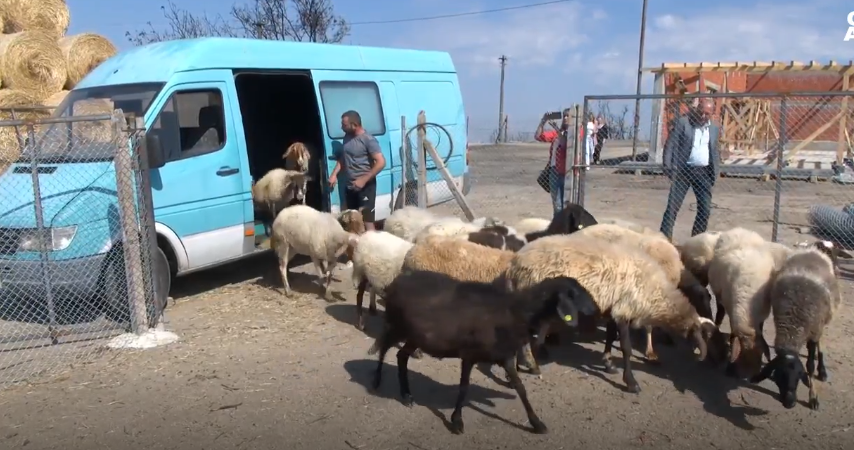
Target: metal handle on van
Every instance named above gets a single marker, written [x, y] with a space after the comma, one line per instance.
[226, 171]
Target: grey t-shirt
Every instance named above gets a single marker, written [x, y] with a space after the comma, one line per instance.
[357, 151]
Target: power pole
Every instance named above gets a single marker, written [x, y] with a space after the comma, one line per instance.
[501, 137]
[636, 127]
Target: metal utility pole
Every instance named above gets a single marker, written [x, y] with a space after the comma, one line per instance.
[636, 127]
[501, 137]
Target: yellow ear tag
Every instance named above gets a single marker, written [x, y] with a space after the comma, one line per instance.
[567, 318]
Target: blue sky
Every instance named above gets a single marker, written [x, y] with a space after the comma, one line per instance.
[558, 53]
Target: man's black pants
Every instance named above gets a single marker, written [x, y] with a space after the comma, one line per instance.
[364, 199]
[700, 180]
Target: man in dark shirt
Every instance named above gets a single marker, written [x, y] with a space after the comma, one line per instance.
[361, 159]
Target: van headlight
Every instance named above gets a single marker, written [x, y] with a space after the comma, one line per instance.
[52, 240]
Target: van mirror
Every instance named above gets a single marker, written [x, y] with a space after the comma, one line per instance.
[156, 158]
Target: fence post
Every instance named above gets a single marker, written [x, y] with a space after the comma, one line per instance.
[404, 158]
[778, 184]
[130, 226]
[44, 235]
[573, 159]
[584, 160]
[422, 163]
[146, 217]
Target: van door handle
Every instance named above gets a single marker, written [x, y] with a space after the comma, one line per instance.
[226, 171]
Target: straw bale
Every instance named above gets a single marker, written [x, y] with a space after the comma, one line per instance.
[55, 99]
[84, 52]
[50, 16]
[32, 61]
[9, 145]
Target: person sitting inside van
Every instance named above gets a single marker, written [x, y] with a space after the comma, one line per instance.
[361, 159]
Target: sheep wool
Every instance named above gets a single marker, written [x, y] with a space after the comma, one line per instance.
[461, 260]
[637, 228]
[531, 225]
[447, 227]
[379, 256]
[408, 221]
[739, 279]
[278, 185]
[697, 252]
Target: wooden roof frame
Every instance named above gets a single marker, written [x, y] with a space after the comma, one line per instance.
[755, 67]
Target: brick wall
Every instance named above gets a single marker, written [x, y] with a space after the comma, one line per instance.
[804, 114]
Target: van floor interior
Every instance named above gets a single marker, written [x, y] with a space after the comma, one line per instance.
[279, 109]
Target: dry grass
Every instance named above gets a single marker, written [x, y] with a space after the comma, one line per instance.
[10, 148]
[49, 16]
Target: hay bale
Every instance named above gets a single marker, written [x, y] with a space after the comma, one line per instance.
[9, 145]
[50, 16]
[84, 52]
[32, 61]
[55, 99]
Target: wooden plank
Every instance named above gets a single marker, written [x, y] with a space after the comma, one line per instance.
[422, 161]
[754, 66]
[841, 144]
[808, 139]
[458, 196]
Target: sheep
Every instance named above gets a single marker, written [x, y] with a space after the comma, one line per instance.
[498, 236]
[300, 229]
[739, 276]
[637, 228]
[461, 260]
[475, 322]
[377, 260]
[531, 225]
[408, 221]
[805, 295]
[629, 287]
[352, 220]
[667, 256]
[568, 220]
[449, 226]
[697, 252]
[277, 186]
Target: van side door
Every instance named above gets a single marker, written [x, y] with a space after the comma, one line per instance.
[199, 192]
[339, 92]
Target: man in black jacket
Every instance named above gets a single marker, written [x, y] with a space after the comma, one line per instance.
[691, 160]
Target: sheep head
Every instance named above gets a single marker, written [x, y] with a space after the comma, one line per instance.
[747, 351]
[352, 220]
[702, 331]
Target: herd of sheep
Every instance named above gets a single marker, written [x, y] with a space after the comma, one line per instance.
[487, 292]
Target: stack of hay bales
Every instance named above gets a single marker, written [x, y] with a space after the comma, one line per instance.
[39, 64]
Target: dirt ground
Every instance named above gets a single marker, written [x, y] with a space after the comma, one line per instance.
[256, 370]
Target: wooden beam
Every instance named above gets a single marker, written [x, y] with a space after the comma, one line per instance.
[754, 66]
[808, 139]
[841, 143]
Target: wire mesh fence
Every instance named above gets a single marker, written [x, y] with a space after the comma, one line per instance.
[76, 229]
[780, 164]
[508, 181]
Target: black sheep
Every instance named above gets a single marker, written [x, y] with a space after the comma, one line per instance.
[497, 236]
[475, 322]
[568, 220]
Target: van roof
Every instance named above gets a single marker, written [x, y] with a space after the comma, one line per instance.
[159, 61]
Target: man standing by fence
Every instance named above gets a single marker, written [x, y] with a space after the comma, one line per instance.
[556, 168]
[691, 160]
[361, 159]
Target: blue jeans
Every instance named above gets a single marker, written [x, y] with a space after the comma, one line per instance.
[556, 183]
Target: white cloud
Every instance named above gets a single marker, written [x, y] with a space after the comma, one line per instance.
[534, 37]
[758, 32]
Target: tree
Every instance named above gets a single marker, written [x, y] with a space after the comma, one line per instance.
[283, 20]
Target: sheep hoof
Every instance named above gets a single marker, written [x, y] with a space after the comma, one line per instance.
[822, 376]
[609, 368]
[417, 354]
[286, 292]
[360, 326]
[652, 358]
[372, 311]
[813, 404]
[633, 388]
[539, 427]
[457, 426]
[407, 401]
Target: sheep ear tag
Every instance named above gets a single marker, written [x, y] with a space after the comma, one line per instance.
[567, 318]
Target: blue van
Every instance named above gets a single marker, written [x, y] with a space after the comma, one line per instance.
[254, 98]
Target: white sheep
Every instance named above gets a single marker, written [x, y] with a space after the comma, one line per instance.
[805, 295]
[449, 227]
[628, 286]
[531, 225]
[459, 259]
[408, 221]
[697, 252]
[302, 230]
[666, 255]
[636, 227]
[279, 186]
[377, 260]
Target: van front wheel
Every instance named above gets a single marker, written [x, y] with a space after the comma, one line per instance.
[114, 292]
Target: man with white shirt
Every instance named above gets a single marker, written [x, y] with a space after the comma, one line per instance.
[691, 160]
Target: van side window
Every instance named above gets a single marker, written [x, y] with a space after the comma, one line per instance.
[361, 96]
[191, 123]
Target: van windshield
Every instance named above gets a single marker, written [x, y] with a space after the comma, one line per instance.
[91, 141]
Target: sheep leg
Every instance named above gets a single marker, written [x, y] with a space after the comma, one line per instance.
[403, 372]
[765, 349]
[813, 401]
[360, 297]
[330, 270]
[285, 258]
[651, 356]
[626, 344]
[525, 360]
[539, 348]
[814, 353]
[385, 341]
[822, 370]
[610, 337]
[457, 426]
[516, 382]
[372, 309]
[318, 265]
[720, 313]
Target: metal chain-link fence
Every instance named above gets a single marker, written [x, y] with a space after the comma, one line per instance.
[510, 182]
[780, 164]
[76, 234]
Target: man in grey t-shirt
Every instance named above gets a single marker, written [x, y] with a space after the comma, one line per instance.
[361, 159]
